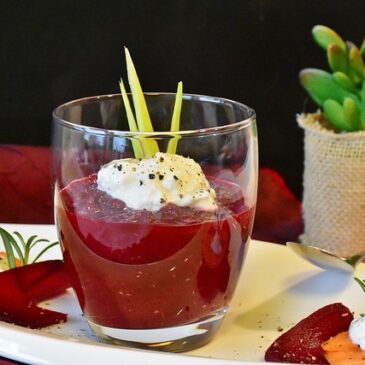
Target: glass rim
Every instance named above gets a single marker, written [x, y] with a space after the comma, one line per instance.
[240, 124]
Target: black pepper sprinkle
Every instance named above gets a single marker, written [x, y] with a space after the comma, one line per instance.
[140, 182]
[151, 176]
[181, 196]
[175, 177]
[160, 177]
[119, 167]
[162, 200]
[162, 159]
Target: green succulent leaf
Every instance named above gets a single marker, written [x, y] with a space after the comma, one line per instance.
[324, 36]
[341, 94]
[334, 113]
[321, 87]
[351, 72]
[356, 62]
[362, 48]
[337, 58]
[351, 114]
[345, 82]
[362, 114]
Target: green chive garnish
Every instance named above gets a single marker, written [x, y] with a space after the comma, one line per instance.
[175, 121]
[141, 121]
[137, 147]
[361, 283]
[150, 146]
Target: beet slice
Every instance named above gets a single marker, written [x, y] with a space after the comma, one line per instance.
[23, 287]
[30, 316]
[43, 280]
[302, 343]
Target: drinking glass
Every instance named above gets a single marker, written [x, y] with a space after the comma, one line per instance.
[164, 279]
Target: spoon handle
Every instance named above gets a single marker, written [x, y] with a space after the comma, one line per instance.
[321, 258]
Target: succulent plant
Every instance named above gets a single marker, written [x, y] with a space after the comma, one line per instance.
[340, 93]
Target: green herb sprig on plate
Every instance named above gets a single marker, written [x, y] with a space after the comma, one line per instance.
[17, 244]
[140, 120]
[361, 283]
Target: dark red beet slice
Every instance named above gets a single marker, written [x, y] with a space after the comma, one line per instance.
[302, 343]
[30, 316]
[43, 280]
[23, 287]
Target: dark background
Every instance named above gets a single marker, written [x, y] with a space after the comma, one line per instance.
[251, 51]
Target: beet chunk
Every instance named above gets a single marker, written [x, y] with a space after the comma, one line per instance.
[23, 287]
[302, 343]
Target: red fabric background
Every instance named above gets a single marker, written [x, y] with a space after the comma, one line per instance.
[26, 195]
[25, 184]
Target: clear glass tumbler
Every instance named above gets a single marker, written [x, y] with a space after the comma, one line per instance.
[164, 279]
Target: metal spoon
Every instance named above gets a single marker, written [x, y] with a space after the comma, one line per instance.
[325, 259]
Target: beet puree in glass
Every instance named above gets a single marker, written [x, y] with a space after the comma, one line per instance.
[151, 269]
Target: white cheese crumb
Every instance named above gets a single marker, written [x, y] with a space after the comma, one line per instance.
[155, 182]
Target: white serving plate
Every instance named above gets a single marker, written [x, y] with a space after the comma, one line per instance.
[275, 291]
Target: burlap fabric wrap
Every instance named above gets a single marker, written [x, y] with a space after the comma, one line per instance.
[334, 187]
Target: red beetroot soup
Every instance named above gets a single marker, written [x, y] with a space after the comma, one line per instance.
[141, 269]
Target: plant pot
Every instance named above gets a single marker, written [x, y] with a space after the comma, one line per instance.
[334, 187]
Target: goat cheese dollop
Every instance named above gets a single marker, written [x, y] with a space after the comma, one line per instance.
[357, 332]
[152, 183]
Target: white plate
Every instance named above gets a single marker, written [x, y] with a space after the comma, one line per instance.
[275, 291]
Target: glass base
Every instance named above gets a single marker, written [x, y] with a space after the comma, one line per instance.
[175, 339]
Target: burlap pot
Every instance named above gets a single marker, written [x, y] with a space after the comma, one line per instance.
[334, 187]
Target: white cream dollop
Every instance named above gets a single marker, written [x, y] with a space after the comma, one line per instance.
[357, 332]
[155, 182]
